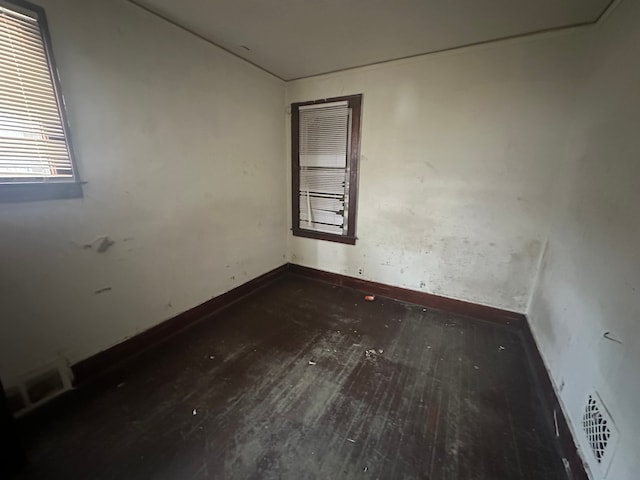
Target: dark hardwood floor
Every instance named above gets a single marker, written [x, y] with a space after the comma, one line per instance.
[306, 380]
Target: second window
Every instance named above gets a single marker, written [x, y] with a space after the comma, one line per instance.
[325, 150]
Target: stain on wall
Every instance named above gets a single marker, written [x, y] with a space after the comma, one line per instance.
[159, 121]
[458, 168]
[589, 281]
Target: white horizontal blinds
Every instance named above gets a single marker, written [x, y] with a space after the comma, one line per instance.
[324, 166]
[32, 140]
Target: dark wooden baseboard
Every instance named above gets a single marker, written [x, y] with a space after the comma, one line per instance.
[483, 312]
[88, 370]
[550, 398]
[91, 369]
[428, 300]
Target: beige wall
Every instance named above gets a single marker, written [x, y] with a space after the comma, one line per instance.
[458, 168]
[469, 160]
[590, 277]
[182, 148]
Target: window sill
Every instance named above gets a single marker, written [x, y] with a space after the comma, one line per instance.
[33, 192]
[329, 237]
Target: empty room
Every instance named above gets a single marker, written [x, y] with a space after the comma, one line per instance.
[295, 239]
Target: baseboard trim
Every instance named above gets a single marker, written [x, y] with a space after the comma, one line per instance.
[429, 300]
[565, 439]
[482, 312]
[89, 370]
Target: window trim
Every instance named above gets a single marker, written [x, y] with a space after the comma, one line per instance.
[45, 189]
[355, 103]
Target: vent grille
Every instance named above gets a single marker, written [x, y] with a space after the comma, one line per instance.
[599, 430]
[596, 427]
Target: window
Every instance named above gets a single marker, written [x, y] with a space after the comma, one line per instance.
[36, 161]
[325, 148]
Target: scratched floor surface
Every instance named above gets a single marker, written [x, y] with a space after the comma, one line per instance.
[306, 380]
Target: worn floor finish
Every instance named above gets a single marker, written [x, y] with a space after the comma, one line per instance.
[237, 397]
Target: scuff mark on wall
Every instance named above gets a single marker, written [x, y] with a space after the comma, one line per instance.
[181, 244]
[428, 164]
[105, 245]
[103, 241]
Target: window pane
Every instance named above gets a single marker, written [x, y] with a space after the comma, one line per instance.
[33, 146]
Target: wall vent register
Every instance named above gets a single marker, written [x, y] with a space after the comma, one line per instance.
[600, 431]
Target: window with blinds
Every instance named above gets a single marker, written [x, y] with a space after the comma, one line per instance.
[325, 150]
[34, 144]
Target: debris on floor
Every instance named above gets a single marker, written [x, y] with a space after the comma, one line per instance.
[102, 290]
[311, 362]
[500, 348]
[369, 298]
[372, 352]
[392, 402]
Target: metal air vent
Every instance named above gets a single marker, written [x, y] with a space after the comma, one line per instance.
[600, 431]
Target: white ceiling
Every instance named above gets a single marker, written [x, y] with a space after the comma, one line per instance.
[299, 38]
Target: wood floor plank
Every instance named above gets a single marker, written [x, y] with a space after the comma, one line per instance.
[307, 380]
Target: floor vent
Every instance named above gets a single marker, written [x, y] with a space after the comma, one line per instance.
[600, 431]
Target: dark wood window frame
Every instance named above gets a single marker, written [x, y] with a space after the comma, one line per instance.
[44, 189]
[355, 103]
